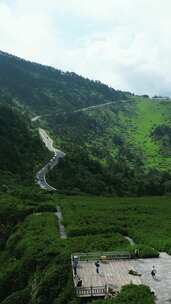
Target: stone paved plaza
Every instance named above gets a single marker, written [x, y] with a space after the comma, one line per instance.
[162, 284]
[115, 272]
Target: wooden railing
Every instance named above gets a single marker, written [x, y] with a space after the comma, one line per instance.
[91, 291]
[94, 291]
[92, 256]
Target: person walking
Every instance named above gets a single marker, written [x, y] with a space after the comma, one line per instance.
[97, 264]
[153, 272]
[75, 265]
[75, 269]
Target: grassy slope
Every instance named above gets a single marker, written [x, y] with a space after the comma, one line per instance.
[148, 115]
[135, 123]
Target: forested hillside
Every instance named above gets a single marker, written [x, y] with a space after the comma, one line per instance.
[122, 149]
[21, 152]
[45, 90]
[115, 142]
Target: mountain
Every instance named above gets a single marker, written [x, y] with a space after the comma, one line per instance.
[115, 142]
[45, 90]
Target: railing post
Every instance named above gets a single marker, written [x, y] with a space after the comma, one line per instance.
[91, 288]
[106, 289]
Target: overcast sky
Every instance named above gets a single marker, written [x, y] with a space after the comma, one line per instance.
[124, 43]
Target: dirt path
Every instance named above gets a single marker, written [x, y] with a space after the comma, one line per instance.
[62, 232]
[131, 241]
[35, 118]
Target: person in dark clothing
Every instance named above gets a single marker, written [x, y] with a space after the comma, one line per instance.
[153, 272]
[136, 253]
[75, 265]
[97, 264]
[79, 283]
[75, 270]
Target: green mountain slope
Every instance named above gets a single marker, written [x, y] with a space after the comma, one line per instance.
[45, 90]
[149, 115]
[22, 151]
[116, 149]
[120, 148]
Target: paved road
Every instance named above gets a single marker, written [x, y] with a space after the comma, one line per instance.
[94, 107]
[79, 110]
[90, 108]
[41, 174]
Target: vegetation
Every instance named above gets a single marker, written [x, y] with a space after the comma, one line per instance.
[131, 294]
[37, 261]
[144, 251]
[38, 266]
[115, 150]
[22, 151]
[45, 90]
[138, 218]
[122, 148]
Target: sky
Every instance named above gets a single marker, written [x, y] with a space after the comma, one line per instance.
[123, 43]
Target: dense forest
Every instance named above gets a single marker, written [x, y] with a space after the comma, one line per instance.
[22, 152]
[45, 90]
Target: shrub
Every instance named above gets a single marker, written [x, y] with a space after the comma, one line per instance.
[144, 251]
[20, 296]
[132, 294]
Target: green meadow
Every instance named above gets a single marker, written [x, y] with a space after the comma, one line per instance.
[147, 220]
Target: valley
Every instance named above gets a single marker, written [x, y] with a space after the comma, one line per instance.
[111, 185]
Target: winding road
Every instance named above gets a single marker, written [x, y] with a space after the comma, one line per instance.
[161, 285]
[78, 110]
[41, 174]
[94, 107]
[40, 178]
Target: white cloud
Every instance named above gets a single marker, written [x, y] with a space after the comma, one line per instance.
[120, 42]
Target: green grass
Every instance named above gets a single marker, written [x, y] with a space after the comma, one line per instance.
[148, 115]
[140, 218]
